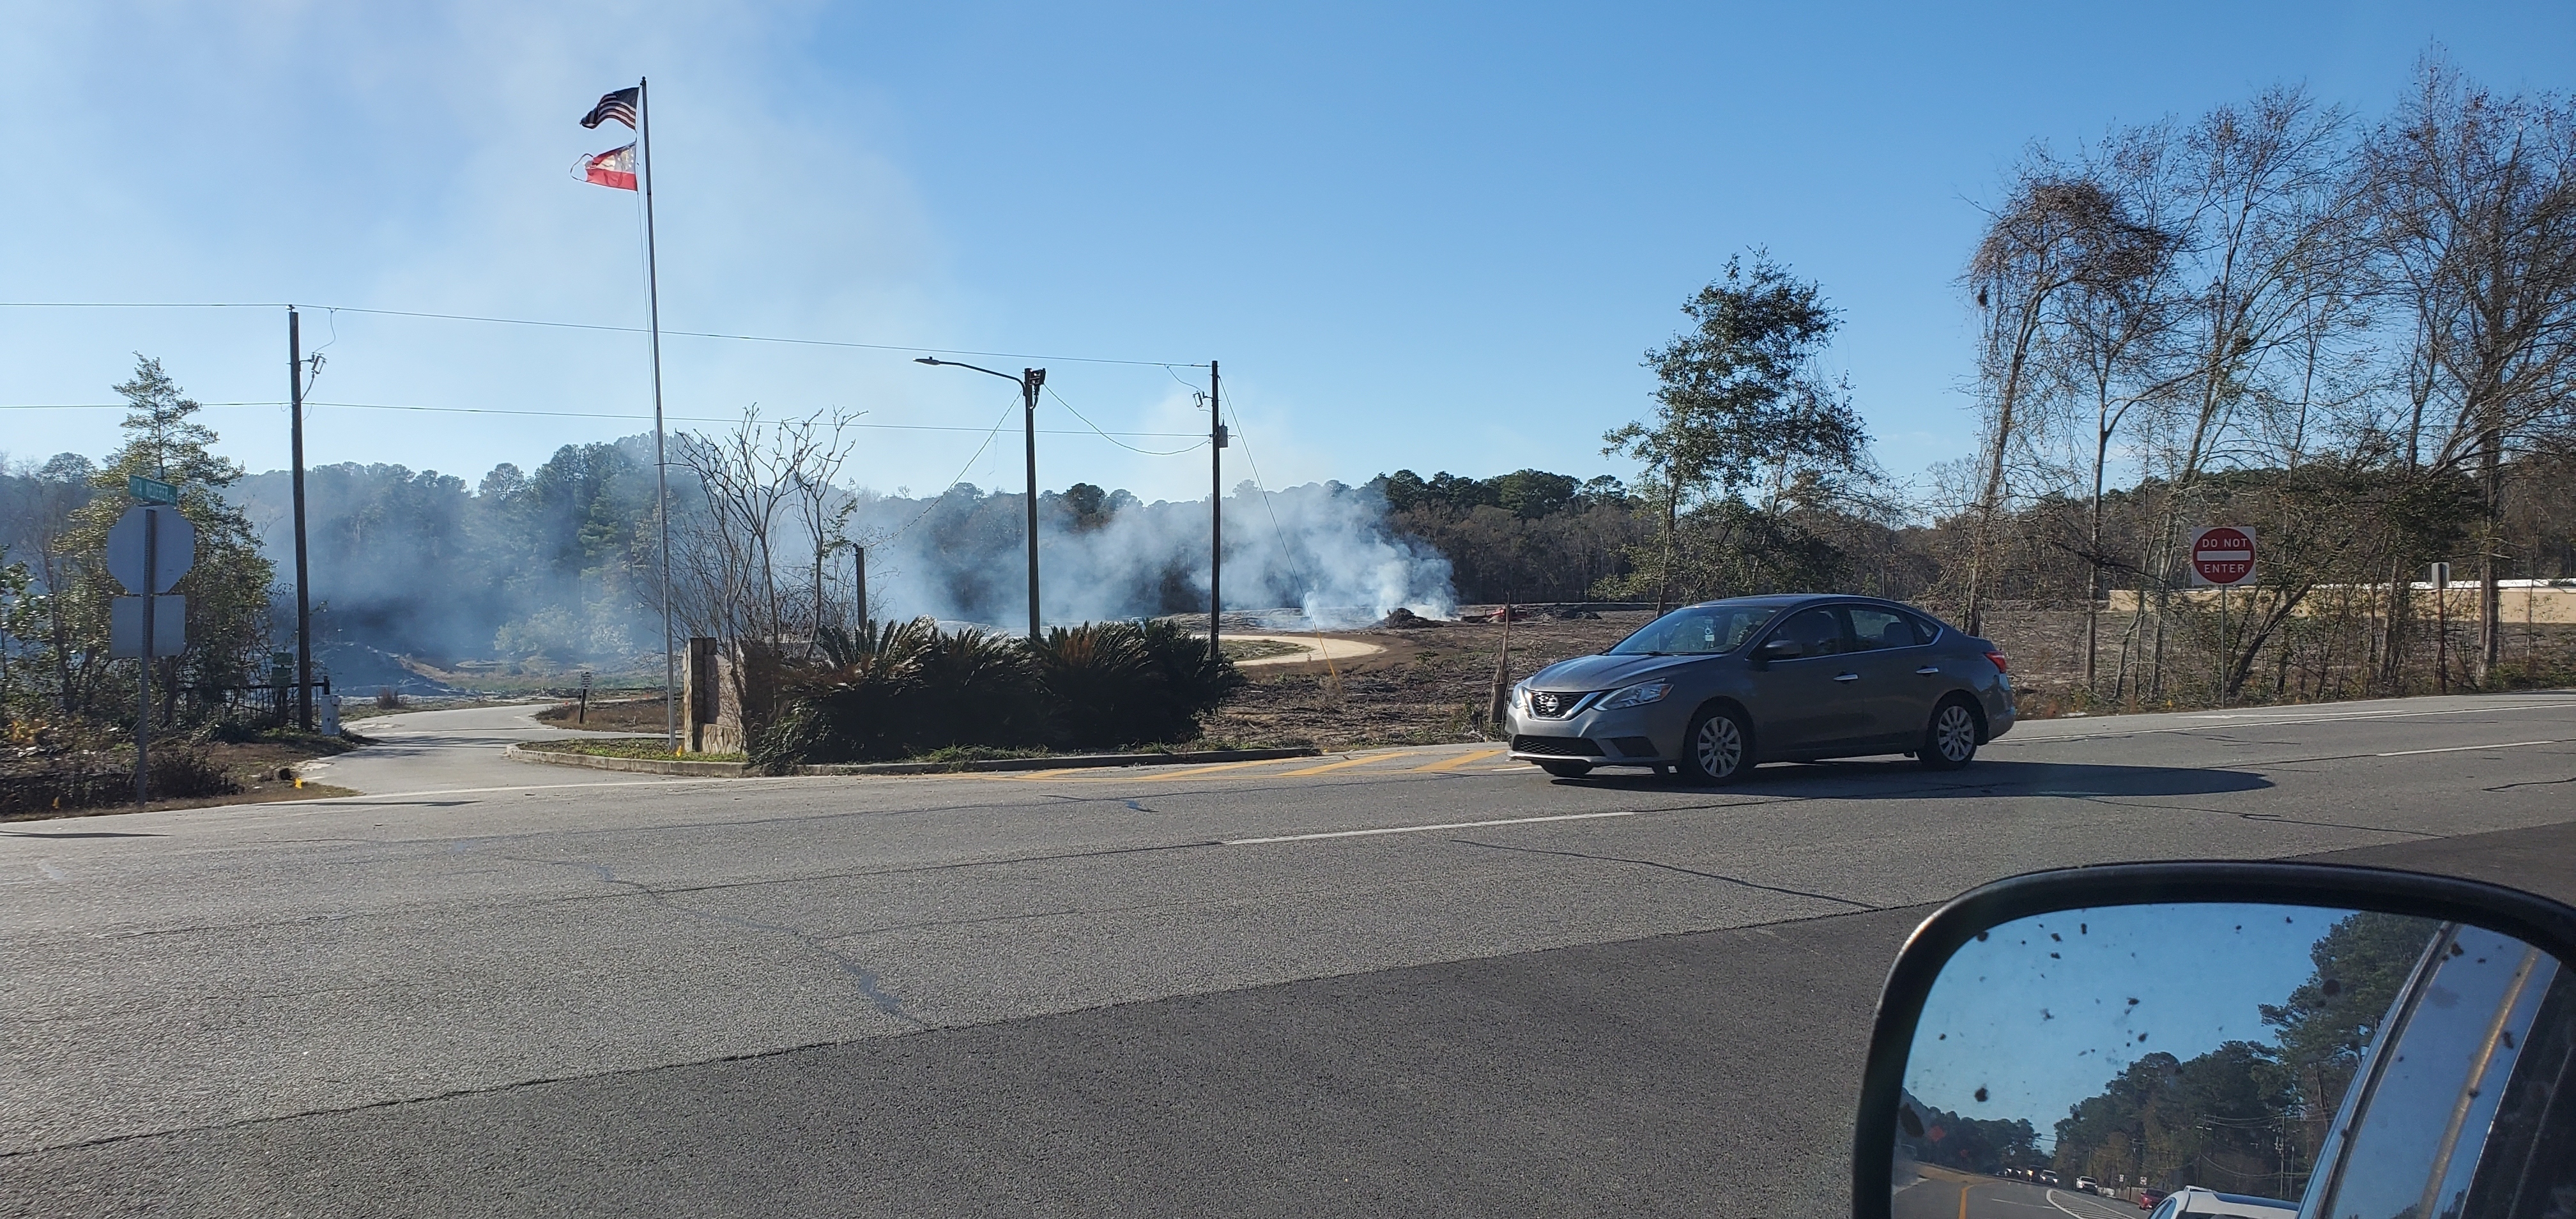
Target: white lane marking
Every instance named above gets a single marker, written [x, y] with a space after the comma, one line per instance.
[2403, 753]
[1422, 829]
[645, 781]
[50, 871]
[2248, 720]
[2089, 1204]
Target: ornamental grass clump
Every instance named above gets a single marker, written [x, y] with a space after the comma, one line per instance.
[908, 689]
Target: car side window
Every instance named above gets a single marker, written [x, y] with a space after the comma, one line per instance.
[1818, 632]
[1925, 629]
[1878, 628]
[2166, 1209]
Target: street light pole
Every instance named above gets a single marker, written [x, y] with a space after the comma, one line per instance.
[1030, 381]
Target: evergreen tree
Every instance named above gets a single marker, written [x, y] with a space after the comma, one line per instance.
[227, 590]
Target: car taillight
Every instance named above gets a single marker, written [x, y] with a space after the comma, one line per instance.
[1998, 658]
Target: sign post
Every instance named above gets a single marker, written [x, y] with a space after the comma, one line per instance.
[2222, 555]
[148, 549]
[2441, 582]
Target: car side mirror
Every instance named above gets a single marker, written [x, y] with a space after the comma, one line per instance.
[2372, 1042]
[1777, 649]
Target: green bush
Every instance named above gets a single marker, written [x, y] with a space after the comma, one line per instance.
[906, 689]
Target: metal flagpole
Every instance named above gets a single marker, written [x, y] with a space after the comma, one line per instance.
[661, 462]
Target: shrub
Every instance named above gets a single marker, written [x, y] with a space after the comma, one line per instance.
[1118, 683]
[90, 779]
[910, 688]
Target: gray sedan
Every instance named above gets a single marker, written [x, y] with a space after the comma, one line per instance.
[1709, 690]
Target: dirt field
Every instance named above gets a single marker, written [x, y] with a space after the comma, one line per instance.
[255, 766]
[622, 715]
[1431, 684]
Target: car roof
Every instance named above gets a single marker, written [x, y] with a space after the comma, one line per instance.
[1779, 599]
[2200, 1198]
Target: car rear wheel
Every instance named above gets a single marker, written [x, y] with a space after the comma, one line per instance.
[1717, 748]
[1950, 740]
[1567, 770]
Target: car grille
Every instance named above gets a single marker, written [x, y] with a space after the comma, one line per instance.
[1556, 746]
[1553, 704]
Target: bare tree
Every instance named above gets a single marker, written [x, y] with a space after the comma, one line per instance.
[2473, 202]
[738, 562]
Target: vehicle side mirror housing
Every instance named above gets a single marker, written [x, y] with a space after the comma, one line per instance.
[2345, 1040]
[1777, 649]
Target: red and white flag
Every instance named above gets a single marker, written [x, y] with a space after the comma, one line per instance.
[613, 168]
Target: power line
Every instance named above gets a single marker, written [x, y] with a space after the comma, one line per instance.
[520, 321]
[932, 501]
[493, 410]
[1086, 420]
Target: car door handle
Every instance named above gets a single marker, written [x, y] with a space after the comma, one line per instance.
[1847, 677]
[1928, 670]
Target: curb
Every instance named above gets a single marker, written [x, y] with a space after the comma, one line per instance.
[1063, 762]
[731, 770]
[649, 766]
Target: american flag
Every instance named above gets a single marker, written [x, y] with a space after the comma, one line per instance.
[619, 105]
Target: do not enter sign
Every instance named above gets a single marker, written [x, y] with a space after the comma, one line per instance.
[2222, 555]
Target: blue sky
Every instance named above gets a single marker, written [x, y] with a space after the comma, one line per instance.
[2040, 1032]
[1428, 236]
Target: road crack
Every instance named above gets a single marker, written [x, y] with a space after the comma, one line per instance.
[1670, 867]
[864, 978]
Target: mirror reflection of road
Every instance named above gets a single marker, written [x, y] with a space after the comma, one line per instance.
[1941, 1194]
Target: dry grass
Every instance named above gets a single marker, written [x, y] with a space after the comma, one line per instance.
[628, 747]
[623, 715]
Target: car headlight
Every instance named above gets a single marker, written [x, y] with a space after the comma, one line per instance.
[1638, 695]
[1520, 696]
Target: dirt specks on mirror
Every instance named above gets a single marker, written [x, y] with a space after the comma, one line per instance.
[2187, 1040]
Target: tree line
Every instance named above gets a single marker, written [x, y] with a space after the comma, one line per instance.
[2356, 337]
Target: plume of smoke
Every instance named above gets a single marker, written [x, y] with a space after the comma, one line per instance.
[1322, 549]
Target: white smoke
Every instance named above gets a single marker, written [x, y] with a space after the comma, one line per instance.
[1323, 549]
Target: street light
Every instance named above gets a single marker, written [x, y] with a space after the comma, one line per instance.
[1030, 379]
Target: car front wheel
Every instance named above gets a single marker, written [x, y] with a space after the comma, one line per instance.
[1717, 748]
[1950, 740]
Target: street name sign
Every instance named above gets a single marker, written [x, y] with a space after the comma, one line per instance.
[150, 490]
[2222, 555]
[168, 535]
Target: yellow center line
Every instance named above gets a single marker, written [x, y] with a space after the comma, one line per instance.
[1327, 767]
[1209, 770]
[1477, 755]
[1028, 775]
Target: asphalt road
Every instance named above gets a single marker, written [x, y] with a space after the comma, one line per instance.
[1415, 982]
[1942, 1195]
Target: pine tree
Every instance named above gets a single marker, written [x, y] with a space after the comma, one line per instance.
[227, 590]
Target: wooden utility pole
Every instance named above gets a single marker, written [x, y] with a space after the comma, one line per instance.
[303, 574]
[1031, 379]
[1216, 510]
[860, 562]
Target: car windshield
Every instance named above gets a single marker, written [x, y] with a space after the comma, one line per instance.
[1699, 630]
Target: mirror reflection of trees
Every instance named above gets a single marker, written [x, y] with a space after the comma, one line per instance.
[2248, 1117]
